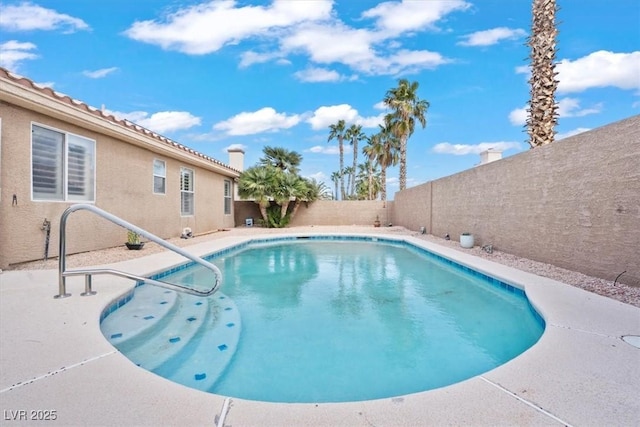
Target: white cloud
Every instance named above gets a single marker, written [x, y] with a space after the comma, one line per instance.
[570, 107]
[518, 117]
[395, 17]
[492, 36]
[98, 74]
[309, 28]
[324, 44]
[324, 149]
[464, 149]
[573, 132]
[161, 122]
[318, 176]
[250, 57]
[29, 17]
[318, 75]
[599, 69]
[206, 27]
[323, 117]
[381, 106]
[13, 52]
[235, 147]
[263, 120]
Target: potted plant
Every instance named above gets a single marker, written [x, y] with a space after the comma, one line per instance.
[466, 240]
[133, 241]
[376, 223]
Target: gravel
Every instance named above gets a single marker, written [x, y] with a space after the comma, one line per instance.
[619, 291]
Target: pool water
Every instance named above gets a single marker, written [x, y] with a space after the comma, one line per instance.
[345, 320]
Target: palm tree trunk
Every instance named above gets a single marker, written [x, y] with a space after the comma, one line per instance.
[263, 212]
[543, 110]
[403, 162]
[341, 168]
[370, 182]
[355, 165]
[283, 209]
[296, 205]
[383, 178]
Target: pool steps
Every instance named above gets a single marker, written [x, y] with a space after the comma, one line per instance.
[164, 332]
[151, 309]
[205, 358]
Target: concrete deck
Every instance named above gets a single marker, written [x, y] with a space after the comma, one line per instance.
[55, 362]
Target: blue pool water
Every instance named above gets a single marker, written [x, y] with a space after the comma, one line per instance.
[326, 320]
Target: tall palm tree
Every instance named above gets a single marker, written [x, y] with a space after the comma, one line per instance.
[281, 158]
[406, 109]
[543, 109]
[335, 177]
[338, 131]
[367, 181]
[387, 153]
[349, 171]
[371, 151]
[354, 135]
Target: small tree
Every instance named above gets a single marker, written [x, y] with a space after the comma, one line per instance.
[274, 187]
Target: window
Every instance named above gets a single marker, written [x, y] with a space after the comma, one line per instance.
[62, 166]
[227, 197]
[186, 191]
[159, 177]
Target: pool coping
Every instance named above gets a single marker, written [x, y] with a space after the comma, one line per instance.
[54, 358]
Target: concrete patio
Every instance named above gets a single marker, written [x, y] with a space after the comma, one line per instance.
[55, 363]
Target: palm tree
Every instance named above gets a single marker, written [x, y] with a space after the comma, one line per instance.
[406, 108]
[350, 173]
[310, 191]
[368, 181]
[335, 177]
[281, 158]
[354, 134]
[543, 109]
[257, 183]
[386, 148]
[338, 131]
[371, 152]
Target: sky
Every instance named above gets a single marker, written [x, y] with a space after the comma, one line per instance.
[222, 74]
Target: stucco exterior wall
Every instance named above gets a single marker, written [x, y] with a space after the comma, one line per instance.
[574, 203]
[124, 187]
[326, 212]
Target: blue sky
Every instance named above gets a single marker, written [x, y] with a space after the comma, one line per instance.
[216, 74]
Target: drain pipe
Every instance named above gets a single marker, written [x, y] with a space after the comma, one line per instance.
[46, 226]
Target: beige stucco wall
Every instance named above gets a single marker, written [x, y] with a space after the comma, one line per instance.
[326, 212]
[574, 203]
[124, 187]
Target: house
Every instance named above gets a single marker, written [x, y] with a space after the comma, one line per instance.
[56, 151]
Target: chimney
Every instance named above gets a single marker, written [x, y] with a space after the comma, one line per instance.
[490, 155]
[236, 158]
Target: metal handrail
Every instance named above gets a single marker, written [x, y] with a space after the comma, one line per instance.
[63, 273]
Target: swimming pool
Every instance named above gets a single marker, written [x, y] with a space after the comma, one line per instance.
[328, 319]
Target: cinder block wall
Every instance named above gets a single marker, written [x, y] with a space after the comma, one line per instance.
[326, 212]
[574, 203]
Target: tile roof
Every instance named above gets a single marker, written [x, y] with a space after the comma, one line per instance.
[23, 81]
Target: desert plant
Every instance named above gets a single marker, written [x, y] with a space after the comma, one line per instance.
[133, 237]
